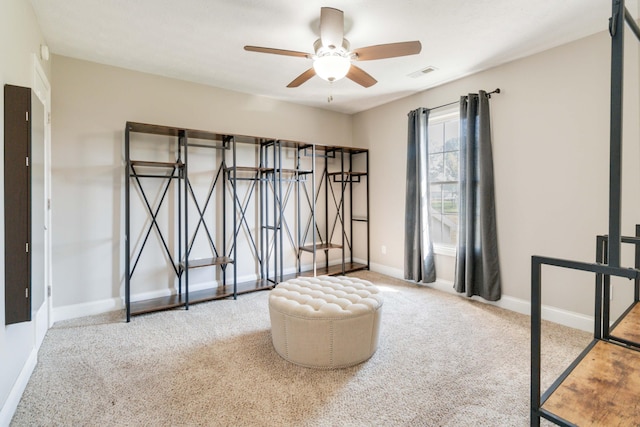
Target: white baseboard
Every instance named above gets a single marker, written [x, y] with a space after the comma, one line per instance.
[552, 314]
[74, 311]
[11, 404]
[388, 271]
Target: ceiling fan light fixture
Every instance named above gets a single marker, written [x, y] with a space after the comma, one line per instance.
[332, 67]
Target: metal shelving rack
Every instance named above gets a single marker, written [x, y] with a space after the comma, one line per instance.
[602, 385]
[261, 182]
[251, 195]
[336, 187]
[176, 173]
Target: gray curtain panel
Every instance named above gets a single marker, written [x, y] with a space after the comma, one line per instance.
[477, 263]
[418, 249]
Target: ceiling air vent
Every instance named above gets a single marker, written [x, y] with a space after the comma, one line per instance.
[422, 72]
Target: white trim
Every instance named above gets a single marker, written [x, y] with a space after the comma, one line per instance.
[552, 314]
[74, 311]
[445, 114]
[389, 271]
[41, 81]
[11, 404]
[446, 250]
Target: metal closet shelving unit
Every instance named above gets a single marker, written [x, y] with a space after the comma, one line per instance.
[250, 198]
[175, 178]
[263, 189]
[334, 231]
[602, 385]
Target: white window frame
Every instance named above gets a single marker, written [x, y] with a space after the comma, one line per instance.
[444, 115]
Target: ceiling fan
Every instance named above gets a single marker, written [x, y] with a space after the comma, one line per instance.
[333, 58]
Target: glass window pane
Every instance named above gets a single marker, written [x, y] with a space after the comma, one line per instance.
[450, 198]
[436, 167]
[449, 229]
[436, 138]
[435, 197]
[436, 227]
[444, 166]
[451, 131]
[451, 164]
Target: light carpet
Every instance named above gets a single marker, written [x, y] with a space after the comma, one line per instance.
[443, 360]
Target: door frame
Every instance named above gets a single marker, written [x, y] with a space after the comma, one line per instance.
[42, 89]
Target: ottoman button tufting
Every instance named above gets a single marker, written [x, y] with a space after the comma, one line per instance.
[325, 321]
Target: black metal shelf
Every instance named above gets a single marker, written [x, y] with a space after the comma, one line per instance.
[211, 294]
[343, 171]
[156, 164]
[179, 174]
[602, 385]
[268, 186]
[208, 262]
[320, 247]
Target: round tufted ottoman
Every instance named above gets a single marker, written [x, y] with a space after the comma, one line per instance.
[325, 322]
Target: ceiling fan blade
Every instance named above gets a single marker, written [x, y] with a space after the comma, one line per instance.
[331, 27]
[277, 51]
[360, 76]
[390, 50]
[302, 78]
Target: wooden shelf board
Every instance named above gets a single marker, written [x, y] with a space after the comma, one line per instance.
[206, 262]
[157, 164]
[173, 131]
[335, 270]
[320, 247]
[293, 171]
[602, 389]
[345, 173]
[249, 169]
[629, 326]
[333, 148]
[157, 304]
[195, 297]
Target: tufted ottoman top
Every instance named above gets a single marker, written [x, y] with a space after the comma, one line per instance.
[326, 297]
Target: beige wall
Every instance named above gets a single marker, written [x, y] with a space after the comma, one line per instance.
[90, 105]
[550, 129]
[20, 39]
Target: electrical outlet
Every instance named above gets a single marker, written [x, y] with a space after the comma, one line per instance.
[383, 249]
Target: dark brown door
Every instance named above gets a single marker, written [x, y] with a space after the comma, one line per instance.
[17, 203]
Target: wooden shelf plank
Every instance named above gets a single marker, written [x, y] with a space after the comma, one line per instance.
[206, 262]
[156, 304]
[249, 169]
[629, 326]
[602, 389]
[294, 171]
[211, 294]
[335, 270]
[320, 247]
[174, 131]
[156, 164]
[345, 173]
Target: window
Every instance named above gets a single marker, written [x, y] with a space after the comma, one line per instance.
[444, 151]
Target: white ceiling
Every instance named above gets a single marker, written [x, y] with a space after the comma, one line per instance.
[202, 40]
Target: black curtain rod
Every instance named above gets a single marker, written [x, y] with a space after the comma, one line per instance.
[456, 102]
